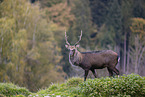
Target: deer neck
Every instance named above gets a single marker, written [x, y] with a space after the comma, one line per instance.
[76, 59]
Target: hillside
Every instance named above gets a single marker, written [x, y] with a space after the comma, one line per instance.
[127, 85]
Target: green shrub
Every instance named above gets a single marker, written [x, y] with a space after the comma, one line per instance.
[130, 85]
[75, 81]
[53, 87]
[125, 86]
[1, 95]
[69, 88]
[9, 89]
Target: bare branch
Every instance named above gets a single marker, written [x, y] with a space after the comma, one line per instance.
[141, 54]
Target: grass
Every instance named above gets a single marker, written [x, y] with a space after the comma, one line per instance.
[125, 86]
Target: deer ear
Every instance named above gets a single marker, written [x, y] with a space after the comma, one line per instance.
[77, 45]
[66, 46]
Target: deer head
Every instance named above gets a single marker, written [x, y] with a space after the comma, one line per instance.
[72, 48]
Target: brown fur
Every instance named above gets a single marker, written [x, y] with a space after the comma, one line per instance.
[96, 60]
[92, 60]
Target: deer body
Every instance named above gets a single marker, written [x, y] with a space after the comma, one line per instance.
[98, 60]
[93, 60]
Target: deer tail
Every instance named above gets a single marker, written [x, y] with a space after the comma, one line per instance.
[118, 58]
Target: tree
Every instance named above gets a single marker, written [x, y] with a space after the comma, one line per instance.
[82, 21]
[110, 35]
[138, 8]
[126, 11]
[6, 36]
[29, 53]
[49, 3]
[137, 47]
[99, 11]
[61, 15]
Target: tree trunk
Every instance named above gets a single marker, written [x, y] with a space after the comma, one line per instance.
[1, 51]
[137, 52]
[124, 63]
[128, 62]
[34, 38]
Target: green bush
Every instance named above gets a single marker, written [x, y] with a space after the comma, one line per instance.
[69, 88]
[130, 85]
[9, 89]
[1, 95]
[75, 81]
[125, 86]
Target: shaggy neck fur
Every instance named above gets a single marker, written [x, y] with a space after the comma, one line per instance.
[76, 59]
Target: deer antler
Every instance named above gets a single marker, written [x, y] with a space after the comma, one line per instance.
[79, 38]
[66, 38]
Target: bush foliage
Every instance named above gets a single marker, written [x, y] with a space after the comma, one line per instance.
[125, 86]
[130, 85]
[11, 90]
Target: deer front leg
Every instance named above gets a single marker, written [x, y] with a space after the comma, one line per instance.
[86, 74]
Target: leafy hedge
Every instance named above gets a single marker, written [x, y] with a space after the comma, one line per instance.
[69, 88]
[130, 85]
[125, 86]
[10, 90]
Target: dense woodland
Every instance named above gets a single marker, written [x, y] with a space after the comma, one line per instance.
[32, 51]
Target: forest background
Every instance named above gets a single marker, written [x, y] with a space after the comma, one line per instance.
[32, 42]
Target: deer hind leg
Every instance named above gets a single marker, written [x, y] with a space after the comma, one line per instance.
[117, 71]
[110, 72]
[94, 73]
